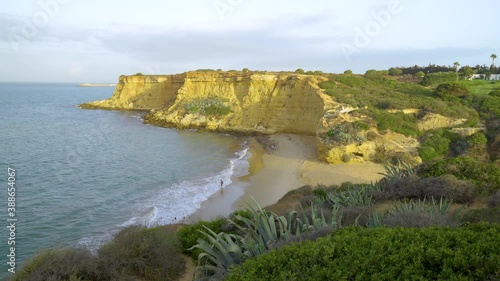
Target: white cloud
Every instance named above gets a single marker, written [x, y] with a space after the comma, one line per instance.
[115, 37]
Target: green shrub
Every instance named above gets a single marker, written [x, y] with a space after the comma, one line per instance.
[212, 106]
[345, 133]
[485, 176]
[447, 186]
[476, 146]
[348, 72]
[398, 122]
[427, 153]
[299, 71]
[436, 144]
[149, 254]
[420, 74]
[487, 106]
[362, 126]
[452, 89]
[189, 234]
[413, 187]
[494, 93]
[320, 192]
[421, 213]
[466, 253]
[438, 77]
[355, 215]
[66, 263]
[395, 71]
[494, 200]
[490, 215]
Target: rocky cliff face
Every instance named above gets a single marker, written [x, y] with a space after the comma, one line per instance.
[257, 103]
[141, 92]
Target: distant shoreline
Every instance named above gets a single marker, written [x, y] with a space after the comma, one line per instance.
[97, 85]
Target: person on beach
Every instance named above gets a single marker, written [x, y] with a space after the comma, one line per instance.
[221, 184]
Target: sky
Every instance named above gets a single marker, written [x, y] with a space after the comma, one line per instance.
[90, 41]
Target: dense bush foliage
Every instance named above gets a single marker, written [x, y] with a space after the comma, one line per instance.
[494, 200]
[418, 213]
[394, 71]
[452, 89]
[346, 133]
[435, 144]
[413, 187]
[189, 234]
[490, 215]
[476, 146]
[432, 79]
[485, 176]
[487, 106]
[135, 253]
[465, 253]
[377, 94]
[211, 106]
[399, 122]
[149, 254]
[66, 264]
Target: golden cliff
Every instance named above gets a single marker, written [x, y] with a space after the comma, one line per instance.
[254, 103]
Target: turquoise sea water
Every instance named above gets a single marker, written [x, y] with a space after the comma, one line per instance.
[81, 175]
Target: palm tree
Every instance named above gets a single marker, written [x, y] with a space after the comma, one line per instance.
[456, 64]
[493, 57]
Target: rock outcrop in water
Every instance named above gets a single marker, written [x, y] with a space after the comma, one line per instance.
[256, 103]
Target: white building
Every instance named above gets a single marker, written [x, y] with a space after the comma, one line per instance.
[483, 76]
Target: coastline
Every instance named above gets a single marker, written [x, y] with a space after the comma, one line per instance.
[279, 164]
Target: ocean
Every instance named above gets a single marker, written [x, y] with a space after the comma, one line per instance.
[82, 175]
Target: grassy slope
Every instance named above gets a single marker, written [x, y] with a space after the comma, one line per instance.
[377, 94]
[482, 87]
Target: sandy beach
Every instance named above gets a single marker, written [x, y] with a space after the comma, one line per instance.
[279, 164]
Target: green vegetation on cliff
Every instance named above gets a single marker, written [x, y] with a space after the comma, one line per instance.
[136, 253]
[211, 106]
[467, 253]
[378, 93]
[402, 227]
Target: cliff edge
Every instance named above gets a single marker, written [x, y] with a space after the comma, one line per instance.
[259, 103]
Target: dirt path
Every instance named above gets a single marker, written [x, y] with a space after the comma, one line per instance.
[190, 269]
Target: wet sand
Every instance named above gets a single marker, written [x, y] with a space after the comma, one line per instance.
[279, 164]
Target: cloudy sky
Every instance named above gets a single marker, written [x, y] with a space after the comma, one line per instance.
[96, 41]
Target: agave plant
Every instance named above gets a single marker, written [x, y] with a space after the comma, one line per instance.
[375, 220]
[266, 228]
[317, 219]
[400, 170]
[433, 206]
[260, 232]
[352, 197]
[222, 250]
